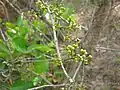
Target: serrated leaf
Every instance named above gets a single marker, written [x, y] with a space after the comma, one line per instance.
[20, 44]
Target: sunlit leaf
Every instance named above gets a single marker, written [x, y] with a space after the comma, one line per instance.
[42, 48]
[36, 81]
[11, 32]
[41, 67]
[20, 44]
[23, 24]
[68, 12]
[41, 26]
[3, 48]
[23, 31]
[20, 21]
[10, 25]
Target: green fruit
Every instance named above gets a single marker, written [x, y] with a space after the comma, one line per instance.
[83, 52]
[75, 59]
[75, 45]
[78, 55]
[71, 47]
[81, 58]
[84, 56]
[89, 57]
[69, 51]
[86, 62]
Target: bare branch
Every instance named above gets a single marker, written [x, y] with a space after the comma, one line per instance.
[108, 49]
[77, 70]
[13, 7]
[59, 85]
[83, 75]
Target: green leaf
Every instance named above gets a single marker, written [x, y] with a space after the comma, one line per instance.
[68, 12]
[23, 31]
[3, 50]
[3, 55]
[42, 48]
[20, 44]
[36, 81]
[20, 21]
[21, 85]
[51, 44]
[26, 24]
[41, 26]
[42, 66]
[10, 25]
[2, 66]
[11, 32]
[16, 54]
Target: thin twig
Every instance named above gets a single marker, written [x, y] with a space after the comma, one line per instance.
[13, 7]
[83, 75]
[59, 85]
[108, 49]
[77, 70]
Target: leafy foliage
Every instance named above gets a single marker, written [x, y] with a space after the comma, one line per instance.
[30, 51]
[21, 85]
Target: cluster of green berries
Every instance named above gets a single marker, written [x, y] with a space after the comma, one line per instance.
[57, 62]
[85, 57]
[58, 11]
[41, 5]
[78, 55]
